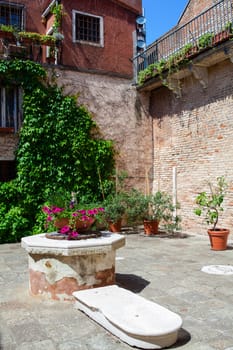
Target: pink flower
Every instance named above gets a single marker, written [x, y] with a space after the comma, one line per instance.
[82, 211]
[65, 229]
[73, 234]
[57, 210]
[101, 209]
[49, 218]
[92, 211]
[47, 210]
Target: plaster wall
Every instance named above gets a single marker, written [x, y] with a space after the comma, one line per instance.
[121, 115]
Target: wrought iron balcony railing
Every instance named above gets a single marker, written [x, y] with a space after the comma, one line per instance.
[213, 20]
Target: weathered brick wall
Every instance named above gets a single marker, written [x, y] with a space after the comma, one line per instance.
[194, 8]
[121, 115]
[194, 134]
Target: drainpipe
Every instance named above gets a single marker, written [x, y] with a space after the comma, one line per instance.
[174, 190]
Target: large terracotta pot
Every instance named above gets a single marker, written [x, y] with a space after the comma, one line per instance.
[218, 239]
[59, 223]
[151, 227]
[84, 225]
[81, 225]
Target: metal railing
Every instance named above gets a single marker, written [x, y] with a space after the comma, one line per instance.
[213, 21]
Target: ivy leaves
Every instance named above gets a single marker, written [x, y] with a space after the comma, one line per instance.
[59, 148]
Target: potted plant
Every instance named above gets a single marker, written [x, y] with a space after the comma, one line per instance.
[64, 215]
[151, 210]
[210, 204]
[114, 210]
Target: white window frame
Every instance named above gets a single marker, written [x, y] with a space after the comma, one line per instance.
[17, 109]
[101, 43]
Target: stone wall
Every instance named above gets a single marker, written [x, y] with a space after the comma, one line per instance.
[121, 114]
[8, 145]
[194, 135]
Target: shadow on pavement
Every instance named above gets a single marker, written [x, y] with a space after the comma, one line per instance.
[131, 282]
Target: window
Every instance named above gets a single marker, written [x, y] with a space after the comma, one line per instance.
[11, 14]
[10, 110]
[87, 28]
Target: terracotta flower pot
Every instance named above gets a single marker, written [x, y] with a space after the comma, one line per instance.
[115, 226]
[59, 223]
[84, 225]
[81, 225]
[218, 239]
[151, 227]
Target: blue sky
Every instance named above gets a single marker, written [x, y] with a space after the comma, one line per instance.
[161, 16]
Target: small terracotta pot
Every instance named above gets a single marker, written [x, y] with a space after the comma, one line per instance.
[218, 239]
[151, 227]
[115, 226]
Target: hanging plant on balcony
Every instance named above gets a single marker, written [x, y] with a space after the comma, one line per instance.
[31, 37]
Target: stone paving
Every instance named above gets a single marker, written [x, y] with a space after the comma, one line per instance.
[162, 269]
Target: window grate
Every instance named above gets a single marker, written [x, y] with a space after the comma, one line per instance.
[11, 15]
[87, 28]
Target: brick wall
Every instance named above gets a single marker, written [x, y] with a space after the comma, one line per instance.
[116, 55]
[119, 19]
[194, 134]
[194, 8]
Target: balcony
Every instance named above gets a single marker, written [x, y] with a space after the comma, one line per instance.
[211, 29]
[26, 45]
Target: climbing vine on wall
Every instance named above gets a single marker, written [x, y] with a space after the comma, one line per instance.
[60, 147]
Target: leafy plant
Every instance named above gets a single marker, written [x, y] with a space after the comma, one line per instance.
[210, 203]
[69, 218]
[115, 207]
[7, 28]
[60, 146]
[150, 72]
[229, 27]
[205, 40]
[36, 37]
[58, 13]
[158, 207]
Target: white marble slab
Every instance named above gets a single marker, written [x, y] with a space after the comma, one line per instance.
[132, 318]
[39, 244]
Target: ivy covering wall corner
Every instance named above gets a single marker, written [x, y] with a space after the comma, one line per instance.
[60, 149]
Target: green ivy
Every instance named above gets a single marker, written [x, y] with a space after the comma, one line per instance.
[60, 148]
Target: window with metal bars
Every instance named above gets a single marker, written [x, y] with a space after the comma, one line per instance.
[87, 28]
[10, 110]
[11, 15]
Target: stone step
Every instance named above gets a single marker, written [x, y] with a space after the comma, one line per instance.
[132, 318]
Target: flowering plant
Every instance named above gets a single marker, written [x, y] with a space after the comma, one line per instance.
[70, 220]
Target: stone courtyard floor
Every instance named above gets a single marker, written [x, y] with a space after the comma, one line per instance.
[166, 270]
